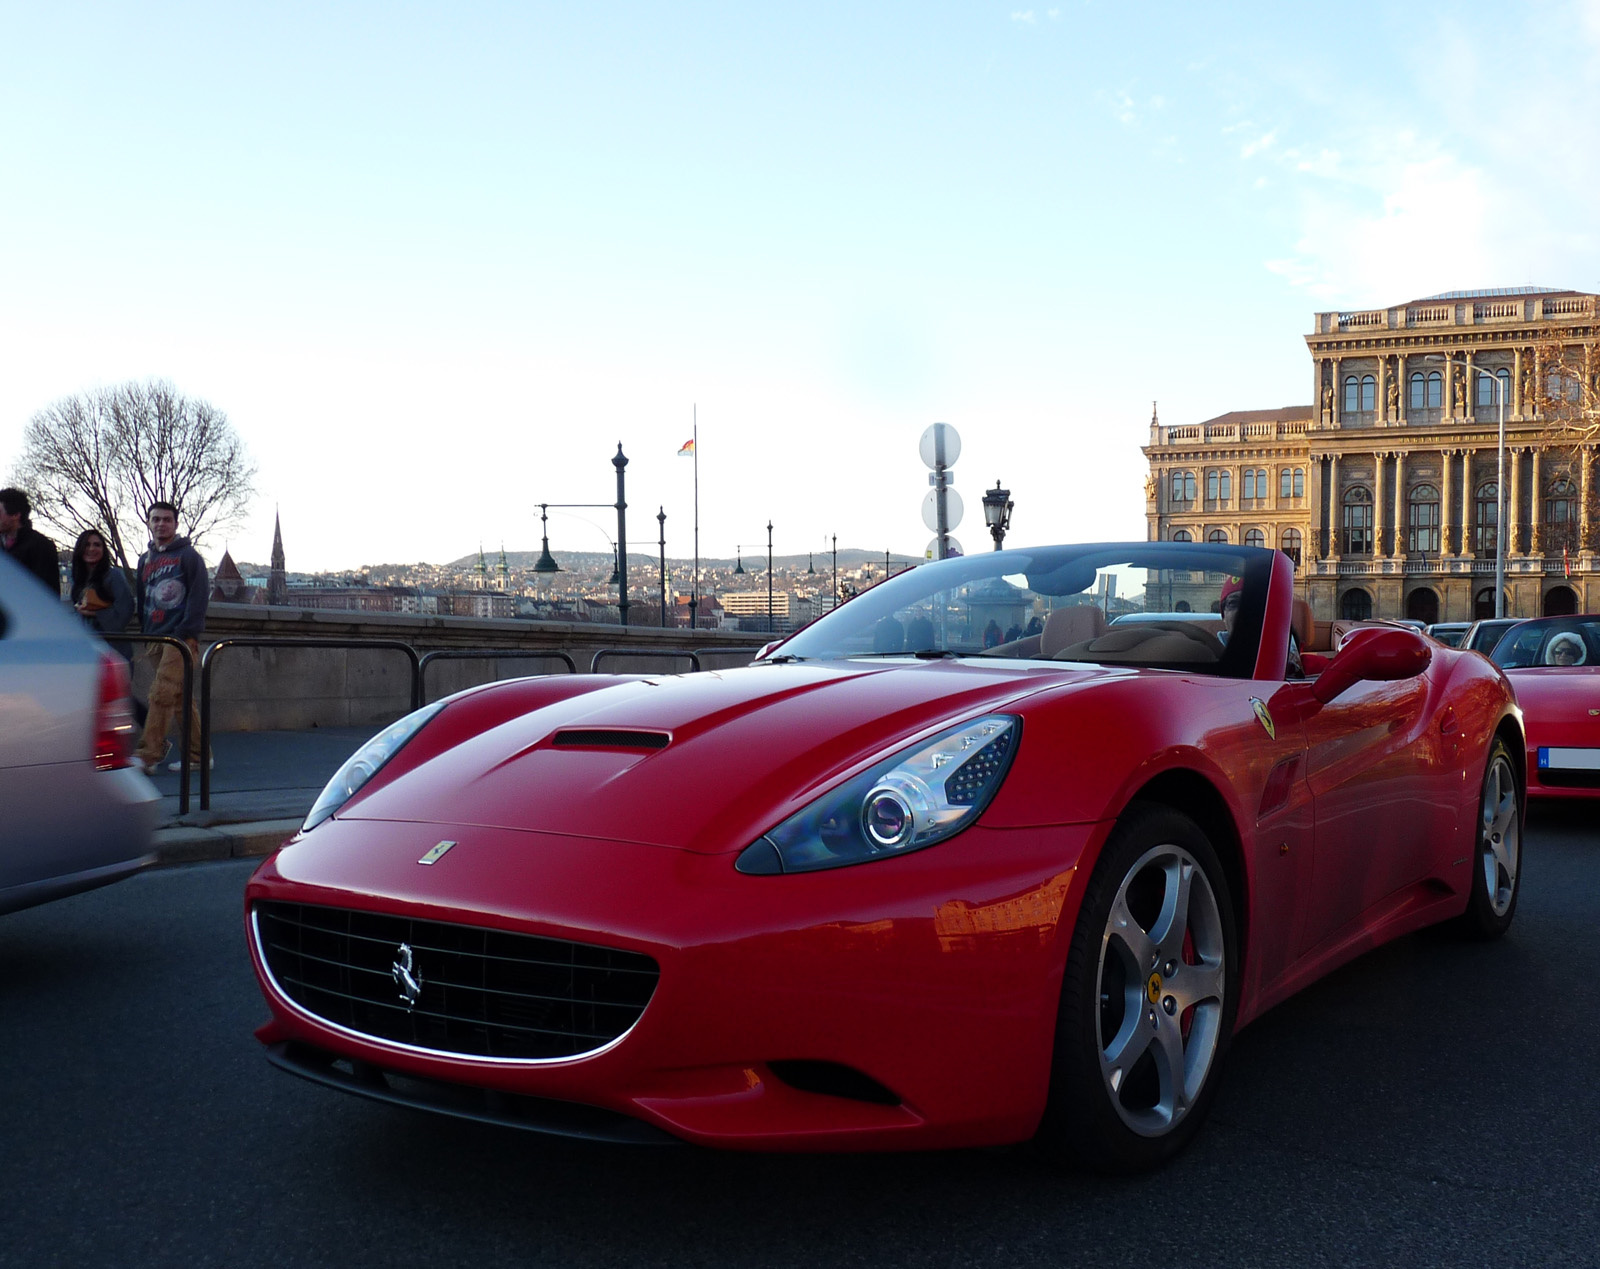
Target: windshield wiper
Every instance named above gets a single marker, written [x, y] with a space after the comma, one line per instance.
[782, 659]
[924, 654]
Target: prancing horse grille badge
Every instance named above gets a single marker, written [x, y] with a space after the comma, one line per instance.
[406, 978]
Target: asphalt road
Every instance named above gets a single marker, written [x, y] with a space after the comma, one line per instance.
[1436, 1103]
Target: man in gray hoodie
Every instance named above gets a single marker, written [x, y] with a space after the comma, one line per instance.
[172, 593]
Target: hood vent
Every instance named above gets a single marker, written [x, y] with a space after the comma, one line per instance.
[610, 738]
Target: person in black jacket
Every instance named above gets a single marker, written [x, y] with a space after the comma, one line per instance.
[102, 597]
[24, 543]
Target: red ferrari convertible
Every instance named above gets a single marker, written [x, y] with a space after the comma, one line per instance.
[1554, 665]
[888, 887]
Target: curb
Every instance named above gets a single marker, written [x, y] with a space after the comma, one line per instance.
[251, 839]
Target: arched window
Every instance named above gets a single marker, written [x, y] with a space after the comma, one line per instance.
[1487, 499]
[1254, 537]
[1249, 483]
[1255, 483]
[1358, 520]
[1227, 485]
[1352, 394]
[1289, 544]
[1560, 515]
[1483, 604]
[1355, 605]
[1561, 384]
[1486, 398]
[1181, 535]
[1217, 535]
[1213, 484]
[1422, 519]
[1183, 486]
[1283, 483]
[1427, 391]
[1299, 482]
[1369, 393]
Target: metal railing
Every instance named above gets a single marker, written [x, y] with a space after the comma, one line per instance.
[187, 707]
[486, 654]
[208, 659]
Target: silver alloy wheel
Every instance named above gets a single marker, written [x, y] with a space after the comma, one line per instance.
[1500, 835]
[1162, 955]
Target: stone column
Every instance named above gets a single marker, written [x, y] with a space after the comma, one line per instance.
[1516, 383]
[1313, 545]
[1472, 390]
[1449, 398]
[1399, 543]
[1400, 375]
[1382, 403]
[1335, 504]
[1535, 503]
[1585, 463]
[1467, 493]
[1445, 509]
[1378, 510]
[1514, 506]
[1337, 389]
[1316, 388]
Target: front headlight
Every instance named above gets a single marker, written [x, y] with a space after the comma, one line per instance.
[914, 799]
[365, 762]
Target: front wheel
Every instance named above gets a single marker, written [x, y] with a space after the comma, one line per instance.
[1497, 859]
[1148, 999]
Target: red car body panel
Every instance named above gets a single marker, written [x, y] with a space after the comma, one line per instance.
[936, 973]
[1561, 709]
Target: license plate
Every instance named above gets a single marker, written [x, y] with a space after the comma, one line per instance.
[1551, 759]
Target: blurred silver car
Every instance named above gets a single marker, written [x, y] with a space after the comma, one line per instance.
[76, 812]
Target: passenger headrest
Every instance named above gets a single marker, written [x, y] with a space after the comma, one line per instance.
[1067, 626]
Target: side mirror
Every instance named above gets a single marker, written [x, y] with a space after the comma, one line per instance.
[766, 648]
[1373, 655]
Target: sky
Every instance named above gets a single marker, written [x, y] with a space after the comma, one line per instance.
[436, 261]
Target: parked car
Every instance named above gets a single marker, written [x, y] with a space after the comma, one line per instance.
[1449, 633]
[1554, 667]
[1483, 634]
[847, 899]
[76, 812]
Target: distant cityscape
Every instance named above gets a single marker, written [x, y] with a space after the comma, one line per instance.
[733, 594]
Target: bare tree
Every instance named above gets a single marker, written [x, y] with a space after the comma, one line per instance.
[99, 459]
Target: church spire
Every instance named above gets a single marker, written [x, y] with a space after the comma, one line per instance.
[278, 579]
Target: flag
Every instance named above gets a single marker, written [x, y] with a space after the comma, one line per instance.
[688, 449]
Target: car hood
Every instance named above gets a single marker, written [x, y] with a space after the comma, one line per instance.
[703, 762]
[1565, 696]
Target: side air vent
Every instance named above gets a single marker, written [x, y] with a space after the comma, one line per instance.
[610, 738]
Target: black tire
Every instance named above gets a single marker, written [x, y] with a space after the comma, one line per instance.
[1497, 849]
[1132, 1115]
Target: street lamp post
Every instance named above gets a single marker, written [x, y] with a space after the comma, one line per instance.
[620, 462]
[835, 570]
[1499, 483]
[769, 576]
[997, 507]
[661, 519]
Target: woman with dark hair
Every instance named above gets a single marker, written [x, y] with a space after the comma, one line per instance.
[100, 593]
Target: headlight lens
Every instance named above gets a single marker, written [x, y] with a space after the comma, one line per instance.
[362, 765]
[914, 799]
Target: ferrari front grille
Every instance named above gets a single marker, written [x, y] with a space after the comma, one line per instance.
[454, 989]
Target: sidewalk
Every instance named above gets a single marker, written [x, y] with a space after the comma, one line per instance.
[262, 786]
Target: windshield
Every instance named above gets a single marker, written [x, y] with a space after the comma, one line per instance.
[1177, 605]
[1554, 641]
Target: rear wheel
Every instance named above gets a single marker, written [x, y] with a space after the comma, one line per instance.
[1147, 1001]
[1497, 860]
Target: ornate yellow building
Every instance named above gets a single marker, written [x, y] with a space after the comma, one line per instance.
[1385, 491]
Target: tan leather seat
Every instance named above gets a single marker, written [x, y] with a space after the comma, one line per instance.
[1067, 626]
[1300, 621]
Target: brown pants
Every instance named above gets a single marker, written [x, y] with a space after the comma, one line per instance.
[166, 700]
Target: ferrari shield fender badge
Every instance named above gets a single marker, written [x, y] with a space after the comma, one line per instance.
[406, 977]
[1264, 717]
[435, 853]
